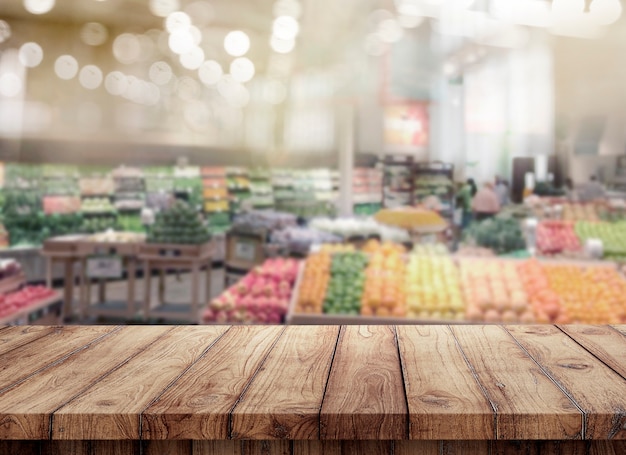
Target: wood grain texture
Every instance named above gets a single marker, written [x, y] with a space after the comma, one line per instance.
[514, 448]
[26, 408]
[604, 342]
[66, 447]
[21, 448]
[285, 397]
[198, 405]
[367, 447]
[563, 447]
[115, 448]
[14, 337]
[597, 390]
[316, 447]
[607, 447]
[365, 393]
[114, 407]
[23, 361]
[416, 447]
[528, 404]
[465, 448]
[445, 400]
[166, 447]
[265, 447]
[216, 447]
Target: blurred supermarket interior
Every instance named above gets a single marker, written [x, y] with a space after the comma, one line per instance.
[529, 90]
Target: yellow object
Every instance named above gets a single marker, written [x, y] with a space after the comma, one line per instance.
[411, 218]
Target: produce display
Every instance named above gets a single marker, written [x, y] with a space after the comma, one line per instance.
[385, 290]
[60, 186]
[347, 281]
[181, 223]
[566, 294]
[21, 202]
[117, 237]
[262, 296]
[98, 223]
[502, 235]
[580, 212]
[613, 236]
[61, 204]
[554, 237]
[314, 283]
[97, 205]
[4, 237]
[411, 218]
[96, 186]
[432, 285]
[9, 268]
[28, 296]
[494, 292]
[130, 222]
[32, 230]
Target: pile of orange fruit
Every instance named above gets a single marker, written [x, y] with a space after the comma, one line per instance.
[384, 294]
[314, 282]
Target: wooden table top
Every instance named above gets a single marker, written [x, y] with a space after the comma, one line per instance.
[313, 382]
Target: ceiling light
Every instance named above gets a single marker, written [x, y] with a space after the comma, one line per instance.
[90, 77]
[126, 48]
[285, 27]
[160, 73]
[181, 42]
[177, 21]
[242, 69]
[210, 72]
[10, 85]
[5, 31]
[287, 8]
[605, 12]
[282, 46]
[66, 67]
[193, 59]
[38, 6]
[237, 43]
[162, 8]
[30, 54]
[116, 83]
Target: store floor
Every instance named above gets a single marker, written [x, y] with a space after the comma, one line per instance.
[177, 291]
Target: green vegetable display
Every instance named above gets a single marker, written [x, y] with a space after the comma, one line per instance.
[613, 236]
[347, 279]
[502, 235]
[181, 223]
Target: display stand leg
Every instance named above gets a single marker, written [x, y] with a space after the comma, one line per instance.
[68, 296]
[195, 284]
[207, 282]
[83, 295]
[102, 290]
[161, 285]
[146, 289]
[49, 263]
[131, 267]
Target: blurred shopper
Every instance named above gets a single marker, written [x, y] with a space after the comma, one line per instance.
[464, 201]
[502, 190]
[485, 204]
[591, 190]
[569, 190]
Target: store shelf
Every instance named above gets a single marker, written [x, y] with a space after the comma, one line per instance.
[24, 312]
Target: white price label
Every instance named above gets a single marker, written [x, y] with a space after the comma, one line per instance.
[104, 267]
[245, 250]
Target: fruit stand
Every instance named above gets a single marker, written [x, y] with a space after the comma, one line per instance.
[313, 390]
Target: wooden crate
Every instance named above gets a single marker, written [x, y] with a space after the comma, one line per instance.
[62, 246]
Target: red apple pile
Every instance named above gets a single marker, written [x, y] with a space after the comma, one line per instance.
[262, 296]
[27, 296]
[554, 237]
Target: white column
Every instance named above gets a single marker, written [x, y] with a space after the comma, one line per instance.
[346, 158]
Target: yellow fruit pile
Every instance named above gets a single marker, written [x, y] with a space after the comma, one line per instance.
[314, 282]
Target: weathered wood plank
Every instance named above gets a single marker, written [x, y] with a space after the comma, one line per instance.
[599, 391]
[514, 448]
[21, 362]
[156, 447]
[316, 447]
[14, 337]
[21, 448]
[604, 342]
[607, 447]
[563, 447]
[365, 393]
[416, 447]
[265, 447]
[112, 409]
[198, 405]
[285, 398]
[465, 448]
[216, 448]
[528, 404]
[26, 408]
[445, 400]
[368, 447]
[115, 448]
[66, 447]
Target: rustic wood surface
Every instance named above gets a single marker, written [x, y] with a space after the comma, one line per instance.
[312, 390]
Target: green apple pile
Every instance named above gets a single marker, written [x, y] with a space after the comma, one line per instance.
[180, 224]
[613, 236]
[347, 279]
